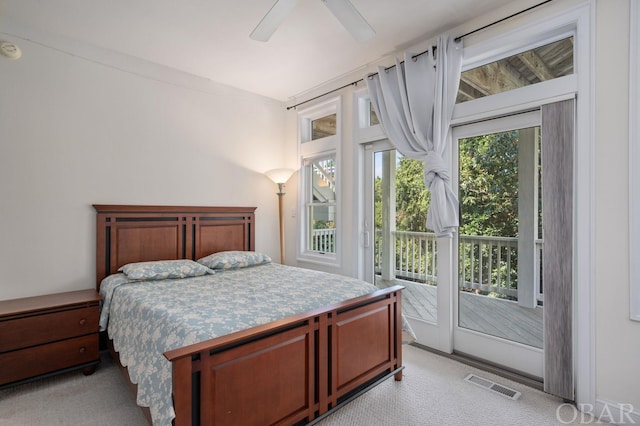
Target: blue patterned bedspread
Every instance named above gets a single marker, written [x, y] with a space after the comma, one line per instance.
[147, 318]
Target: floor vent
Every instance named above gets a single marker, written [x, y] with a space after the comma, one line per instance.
[493, 386]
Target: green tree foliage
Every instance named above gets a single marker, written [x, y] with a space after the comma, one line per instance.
[489, 185]
[488, 188]
[377, 202]
[412, 199]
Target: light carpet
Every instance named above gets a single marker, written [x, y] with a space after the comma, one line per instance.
[432, 392]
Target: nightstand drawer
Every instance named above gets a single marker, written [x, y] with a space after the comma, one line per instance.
[18, 365]
[49, 327]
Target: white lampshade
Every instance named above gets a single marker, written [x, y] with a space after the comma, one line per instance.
[279, 175]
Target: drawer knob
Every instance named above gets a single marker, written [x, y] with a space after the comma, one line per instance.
[83, 321]
[83, 350]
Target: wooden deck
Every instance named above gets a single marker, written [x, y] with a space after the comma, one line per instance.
[496, 317]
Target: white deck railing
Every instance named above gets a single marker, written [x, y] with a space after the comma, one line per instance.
[415, 256]
[487, 264]
[323, 240]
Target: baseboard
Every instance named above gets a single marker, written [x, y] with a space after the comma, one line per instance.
[613, 412]
[498, 370]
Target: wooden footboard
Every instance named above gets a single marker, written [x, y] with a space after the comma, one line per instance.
[290, 371]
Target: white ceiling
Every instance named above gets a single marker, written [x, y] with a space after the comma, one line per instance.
[210, 38]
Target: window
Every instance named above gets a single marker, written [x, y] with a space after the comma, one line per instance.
[319, 143]
[323, 127]
[320, 176]
[543, 63]
[373, 118]
[368, 125]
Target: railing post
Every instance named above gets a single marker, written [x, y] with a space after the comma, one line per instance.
[388, 214]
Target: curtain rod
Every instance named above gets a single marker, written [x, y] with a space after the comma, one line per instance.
[501, 20]
[355, 83]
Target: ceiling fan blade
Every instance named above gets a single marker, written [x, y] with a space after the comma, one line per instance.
[272, 20]
[350, 18]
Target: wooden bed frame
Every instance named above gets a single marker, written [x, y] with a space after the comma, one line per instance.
[291, 371]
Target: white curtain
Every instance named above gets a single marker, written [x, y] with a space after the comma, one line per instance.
[414, 102]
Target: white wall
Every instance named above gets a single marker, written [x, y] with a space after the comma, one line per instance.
[80, 126]
[617, 337]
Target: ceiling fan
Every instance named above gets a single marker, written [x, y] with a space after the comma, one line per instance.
[346, 13]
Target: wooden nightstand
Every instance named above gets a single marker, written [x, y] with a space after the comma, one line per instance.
[48, 334]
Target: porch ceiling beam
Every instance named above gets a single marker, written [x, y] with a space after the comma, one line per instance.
[536, 65]
[493, 78]
[467, 93]
[323, 128]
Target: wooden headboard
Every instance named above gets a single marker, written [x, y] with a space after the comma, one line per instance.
[126, 234]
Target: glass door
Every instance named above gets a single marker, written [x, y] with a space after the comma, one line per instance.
[479, 293]
[401, 250]
[404, 250]
[498, 305]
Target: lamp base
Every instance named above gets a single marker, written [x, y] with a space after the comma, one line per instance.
[281, 220]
